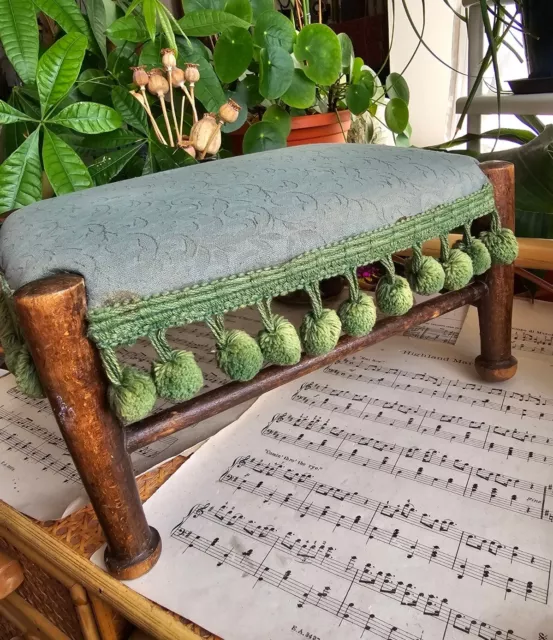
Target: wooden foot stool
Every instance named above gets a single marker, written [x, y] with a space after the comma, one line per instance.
[92, 271]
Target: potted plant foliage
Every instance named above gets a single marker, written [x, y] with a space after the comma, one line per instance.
[297, 82]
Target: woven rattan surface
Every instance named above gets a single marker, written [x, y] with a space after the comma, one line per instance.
[7, 630]
[82, 532]
[45, 594]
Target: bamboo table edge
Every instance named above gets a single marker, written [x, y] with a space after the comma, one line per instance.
[136, 608]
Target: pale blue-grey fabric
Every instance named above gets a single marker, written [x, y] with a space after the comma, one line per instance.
[172, 230]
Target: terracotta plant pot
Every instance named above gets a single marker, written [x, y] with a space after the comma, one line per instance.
[315, 129]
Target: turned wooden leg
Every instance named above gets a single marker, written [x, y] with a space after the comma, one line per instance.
[495, 362]
[52, 313]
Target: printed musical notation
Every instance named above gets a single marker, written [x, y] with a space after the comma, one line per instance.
[332, 499]
[531, 333]
[324, 556]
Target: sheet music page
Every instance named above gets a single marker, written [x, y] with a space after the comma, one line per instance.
[532, 329]
[37, 475]
[390, 495]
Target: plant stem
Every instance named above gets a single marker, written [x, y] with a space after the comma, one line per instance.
[146, 106]
[193, 102]
[161, 97]
[298, 11]
[306, 12]
[170, 72]
[320, 12]
[182, 103]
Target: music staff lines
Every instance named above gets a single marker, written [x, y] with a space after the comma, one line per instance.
[430, 456]
[368, 577]
[404, 513]
[456, 397]
[305, 594]
[41, 404]
[410, 425]
[46, 460]
[413, 548]
[384, 466]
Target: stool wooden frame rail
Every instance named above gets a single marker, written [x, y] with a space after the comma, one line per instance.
[52, 314]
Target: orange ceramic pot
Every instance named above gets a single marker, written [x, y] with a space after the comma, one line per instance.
[314, 129]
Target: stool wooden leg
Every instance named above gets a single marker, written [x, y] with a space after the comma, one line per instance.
[495, 362]
[52, 315]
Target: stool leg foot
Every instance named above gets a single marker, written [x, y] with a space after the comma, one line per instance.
[496, 362]
[52, 314]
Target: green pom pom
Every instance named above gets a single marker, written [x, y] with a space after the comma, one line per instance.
[320, 332]
[239, 355]
[25, 373]
[280, 344]
[180, 378]
[458, 270]
[134, 396]
[478, 253]
[394, 296]
[502, 245]
[428, 278]
[358, 316]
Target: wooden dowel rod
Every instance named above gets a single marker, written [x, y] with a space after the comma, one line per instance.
[534, 253]
[213, 402]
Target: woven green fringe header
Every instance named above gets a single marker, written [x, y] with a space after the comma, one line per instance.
[176, 375]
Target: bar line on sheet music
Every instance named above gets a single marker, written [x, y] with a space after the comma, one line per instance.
[543, 501]
[447, 624]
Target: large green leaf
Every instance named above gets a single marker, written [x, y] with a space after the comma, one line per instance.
[396, 87]
[263, 136]
[150, 17]
[131, 28]
[301, 93]
[201, 5]
[110, 165]
[9, 115]
[21, 176]
[233, 53]
[276, 71]
[88, 117]
[274, 29]
[58, 69]
[18, 132]
[132, 111]
[240, 8]
[358, 98]
[96, 12]
[112, 140]
[167, 24]
[260, 6]
[150, 54]
[346, 46]
[166, 158]
[208, 90]
[280, 118]
[396, 115]
[65, 170]
[19, 36]
[209, 23]
[319, 51]
[120, 61]
[67, 14]
[534, 183]
[95, 83]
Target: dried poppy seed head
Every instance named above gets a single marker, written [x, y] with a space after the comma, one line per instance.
[229, 111]
[157, 84]
[177, 77]
[191, 73]
[140, 76]
[168, 59]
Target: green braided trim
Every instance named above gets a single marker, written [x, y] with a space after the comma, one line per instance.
[123, 323]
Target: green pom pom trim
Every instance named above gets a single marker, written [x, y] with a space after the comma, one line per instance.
[477, 252]
[177, 375]
[424, 273]
[457, 266]
[320, 333]
[238, 354]
[132, 393]
[393, 293]
[279, 341]
[502, 245]
[25, 373]
[321, 328]
[358, 314]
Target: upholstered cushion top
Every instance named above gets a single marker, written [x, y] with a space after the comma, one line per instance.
[190, 226]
